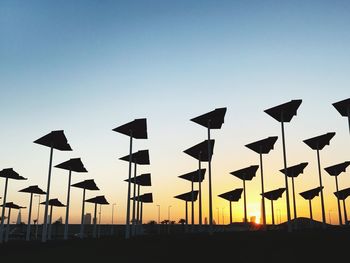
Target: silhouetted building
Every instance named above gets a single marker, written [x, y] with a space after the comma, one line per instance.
[87, 219]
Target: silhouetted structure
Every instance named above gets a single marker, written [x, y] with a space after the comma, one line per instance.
[33, 189]
[7, 173]
[188, 197]
[318, 143]
[232, 196]
[272, 196]
[54, 140]
[52, 202]
[343, 107]
[101, 200]
[335, 170]
[246, 174]
[9, 205]
[309, 195]
[136, 129]
[211, 120]
[145, 198]
[294, 171]
[342, 195]
[263, 147]
[85, 185]
[284, 113]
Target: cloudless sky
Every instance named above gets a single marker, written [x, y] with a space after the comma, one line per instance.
[86, 67]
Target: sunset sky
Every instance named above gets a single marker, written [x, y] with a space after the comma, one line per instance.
[86, 67]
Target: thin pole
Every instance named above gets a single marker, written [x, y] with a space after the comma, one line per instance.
[200, 190]
[127, 225]
[99, 223]
[29, 216]
[273, 214]
[44, 232]
[138, 204]
[230, 212]
[186, 213]
[95, 221]
[141, 213]
[322, 200]
[210, 186]
[50, 224]
[349, 116]
[8, 226]
[3, 212]
[262, 190]
[310, 207]
[285, 176]
[192, 206]
[294, 201]
[345, 214]
[37, 219]
[82, 216]
[245, 203]
[67, 208]
[339, 210]
[134, 202]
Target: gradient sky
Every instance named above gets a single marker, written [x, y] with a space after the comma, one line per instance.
[86, 67]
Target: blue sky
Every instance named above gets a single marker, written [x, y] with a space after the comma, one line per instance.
[89, 66]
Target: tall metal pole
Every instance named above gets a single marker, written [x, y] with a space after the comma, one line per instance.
[82, 217]
[262, 190]
[67, 208]
[339, 210]
[210, 192]
[273, 214]
[245, 203]
[138, 205]
[345, 214]
[349, 116]
[95, 221]
[192, 206]
[37, 220]
[310, 207]
[230, 212]
[134, 203]
[50, 224]
[3, 212]
[294, 202]
[8, 226]
[322, 200]
[29, 216]
[200, 190]
[186, 226]
[99, 222]
[127, 226]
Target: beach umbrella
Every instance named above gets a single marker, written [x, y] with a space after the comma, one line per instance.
[342, 195]
[135, 129]
[343, 107]
[141, 158]
[54, 140]
[335, 170]
[101, 200]
[309, 195]
[187, 197]
[245, 174]
[211, 120]
[33, 189]
[284, 113]
[195, 176]
[72, 165]
[318, 143]
[85, 185]
[232, 196]
[263, 147]
[7, 173]
[52, 202]
[273, 196]
[10, 205]
[294, 171]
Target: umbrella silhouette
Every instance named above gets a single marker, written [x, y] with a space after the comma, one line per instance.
[343, 107]
[33, 189]
[135, 129]
[85, 185]
[54, 140]
[263, 147]
[142, 158]
[272, 196]
[101, 200]
[52, 202]
[342, 195]
[294, 171]
[284, 113]
[246, 174]
[309, 195]
[195, 176]
[145, 198]
[203, 152]
[7, 173]
[232, 196]
[335, 170]
[211, 120]
[9, 205]
[75, 165]
[188, 197]
[318, 143]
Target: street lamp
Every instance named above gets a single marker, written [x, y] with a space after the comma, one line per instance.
[158, 214]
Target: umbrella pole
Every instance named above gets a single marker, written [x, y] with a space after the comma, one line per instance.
[138, 208]
[8, 226]
[134, 202]
[310, 207]
[99, 223]
[82, 216]
[339, 210]
[141, 213]
[273, 214]
[245, 203]
[230, 212]
[200, 191]
[50, 224]
[95, 220]
[29, 216]
[186, 216]
[67, 208]
[210, 192]
[262, 190]
[345, 214]
[294, 202]
[127, 225]
[3, 212]
[192, 207]
[322, 200]
[349, 116]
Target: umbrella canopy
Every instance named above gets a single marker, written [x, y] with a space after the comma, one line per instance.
[12, 205]
[194, 176]
[233, 195]
[246, 173]
[143, 179]
[202, 150]
[136, 129]
[87, 184]
[190, 196]
[101, 200]
[295, 170]
[319, 142]
[263, 146]
[139, 157]
[274, 194]
[342, 107]
[145, 198]
[56, 140]
[11, 174]
[75, 165]
[33, 189]
[213, 119]
[342, 194]
[310, 194]
[54, 202]
[284, 112]
[337, 169]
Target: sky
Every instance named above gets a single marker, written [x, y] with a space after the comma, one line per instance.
[86, 67]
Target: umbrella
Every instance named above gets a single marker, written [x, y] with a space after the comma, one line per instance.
[188, 197]
[101, 200]
[310, 194]
[10, 205]
[54, 140]
[52, 202]
[232, 196]
[343, 107]
[272, 196]
[263, 147]
[342, 195]
[75, 165]
[284, 113]
[33, 189]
